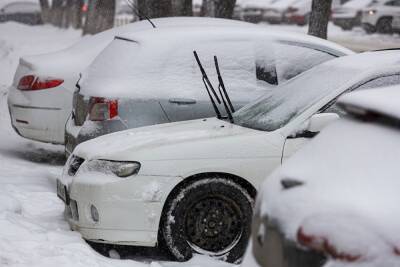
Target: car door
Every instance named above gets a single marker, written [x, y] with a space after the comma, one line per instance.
[297, 140]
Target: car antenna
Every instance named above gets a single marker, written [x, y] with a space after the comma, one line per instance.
[137, 12]
[224, 95]
[208, 86]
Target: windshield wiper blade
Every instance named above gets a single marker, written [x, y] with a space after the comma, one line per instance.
[209, 87]
[224, 94]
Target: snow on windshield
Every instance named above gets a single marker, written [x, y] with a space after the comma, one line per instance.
[275, 110]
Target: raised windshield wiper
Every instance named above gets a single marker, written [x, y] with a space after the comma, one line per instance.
[224, 94]
[209, 87]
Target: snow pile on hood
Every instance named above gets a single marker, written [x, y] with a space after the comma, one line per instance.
[349, 197]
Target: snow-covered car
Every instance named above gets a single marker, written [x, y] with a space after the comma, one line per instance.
[334, 203]
[190, 185]
[156, 82]
[350, 14]
[299, 13]
[275, 14]
[40, 98]
[28, 12]
[378, 17]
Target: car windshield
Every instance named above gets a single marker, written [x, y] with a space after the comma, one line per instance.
[287, 101]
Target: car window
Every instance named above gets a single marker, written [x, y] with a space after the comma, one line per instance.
[393, 3]
[375, 83]
[22, 8]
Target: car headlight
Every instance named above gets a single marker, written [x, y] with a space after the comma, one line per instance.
[121, 169]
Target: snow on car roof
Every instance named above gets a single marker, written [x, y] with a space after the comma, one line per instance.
[77, 57]
[3, 3]
[385, 101]
[357, 3]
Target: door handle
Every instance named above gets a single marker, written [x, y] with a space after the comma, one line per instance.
[182, 101]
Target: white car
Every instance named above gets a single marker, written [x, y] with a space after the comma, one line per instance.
[350, 14]
[378, 17]
[335, 203]
[190, 185]
[275, 14]
[40, 98]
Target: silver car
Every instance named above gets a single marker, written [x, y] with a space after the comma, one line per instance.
[151, 77]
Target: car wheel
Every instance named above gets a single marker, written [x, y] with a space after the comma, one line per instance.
[384, 25]
[209, 217]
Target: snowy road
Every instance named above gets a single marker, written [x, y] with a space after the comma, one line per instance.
[32, 229]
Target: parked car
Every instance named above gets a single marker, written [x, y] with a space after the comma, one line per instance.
[378, 17]
[333, 203]
[253, 11]
[27, 12]
[275, 14]
[40, 98]
[350, 14]
[299, 13]
[190, 185]
[113, 101]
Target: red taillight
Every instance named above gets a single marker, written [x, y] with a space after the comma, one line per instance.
[33, 83]
[101, 109]
[321, 244]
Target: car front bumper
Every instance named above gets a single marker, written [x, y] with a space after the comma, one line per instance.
[129, 209]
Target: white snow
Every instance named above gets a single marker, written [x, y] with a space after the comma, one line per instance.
[32, 228]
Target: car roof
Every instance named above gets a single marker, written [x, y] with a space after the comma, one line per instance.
[380, 101]
[234, 31]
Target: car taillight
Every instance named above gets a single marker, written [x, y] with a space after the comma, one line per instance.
[101, 109]
[33, 83]
[322, 244]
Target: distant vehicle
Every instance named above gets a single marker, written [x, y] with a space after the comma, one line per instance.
[27, 12]
[190, 185]
[350, 14]
[275, 14]
[40, 98]
[253, 11]
[378, 17]
[107, 101]
[299, 13]
[332, 204]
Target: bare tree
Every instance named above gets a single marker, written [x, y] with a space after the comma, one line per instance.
[76, 14]
[100, 16]
[62, 13]
[319, 19]
[219, 8]
[155, 8]
[182, 7]
[44, 4]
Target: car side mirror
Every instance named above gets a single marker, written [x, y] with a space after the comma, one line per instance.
[315, 124]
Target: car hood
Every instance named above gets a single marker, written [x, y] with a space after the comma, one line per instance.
[197, 139]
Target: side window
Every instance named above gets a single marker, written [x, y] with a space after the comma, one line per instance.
[378, 82]
[292, 60]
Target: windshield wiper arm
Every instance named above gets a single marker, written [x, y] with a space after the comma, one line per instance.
[224, 94]
[209, 87]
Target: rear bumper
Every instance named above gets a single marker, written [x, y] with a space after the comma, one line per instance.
[36, 121]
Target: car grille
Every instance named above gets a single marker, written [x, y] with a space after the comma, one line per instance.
[74, 165]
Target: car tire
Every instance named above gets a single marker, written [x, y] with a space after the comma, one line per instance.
[211, 217]
[384, 25]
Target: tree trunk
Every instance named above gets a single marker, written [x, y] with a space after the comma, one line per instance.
[100, 16]
[182, 8]
[155, 8]
[76, 14]
[45, 7]
[219, 8]
[319, 19]
[56, 13]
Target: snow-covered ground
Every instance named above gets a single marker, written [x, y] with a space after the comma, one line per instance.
[32, 229]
